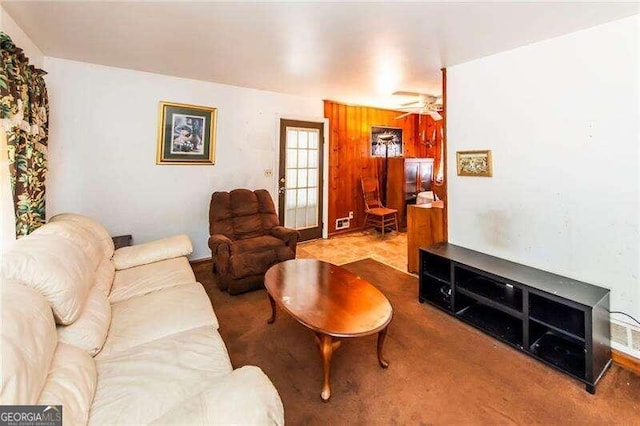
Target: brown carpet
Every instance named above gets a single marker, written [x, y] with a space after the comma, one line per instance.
[441, 370]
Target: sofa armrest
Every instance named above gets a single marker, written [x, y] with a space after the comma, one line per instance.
[154, 251]
[289, 236]
[244, 397]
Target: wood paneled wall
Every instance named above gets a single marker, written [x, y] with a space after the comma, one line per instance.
[350, 153]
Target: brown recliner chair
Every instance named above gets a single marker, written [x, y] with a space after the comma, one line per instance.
[246, 238]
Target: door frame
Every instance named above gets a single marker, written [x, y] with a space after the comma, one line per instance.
[325, 164]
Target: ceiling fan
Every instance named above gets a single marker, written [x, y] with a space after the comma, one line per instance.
[426, 104]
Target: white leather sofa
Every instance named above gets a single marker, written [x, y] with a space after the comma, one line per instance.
[119, 338]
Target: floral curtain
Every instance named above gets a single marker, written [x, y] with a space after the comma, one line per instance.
[24, 115]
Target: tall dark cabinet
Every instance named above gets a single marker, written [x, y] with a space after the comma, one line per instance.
[406, 177]
[557, 320]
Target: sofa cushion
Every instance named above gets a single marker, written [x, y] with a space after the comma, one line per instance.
[79, 235]
[28, 343]
[55, 267]
[220, 215]
[154, 251]
[158, 314]
[249, 226]
[244, 397]
[241, 213]
[144, 279]
[100, 232]
[71, 383]
[262, 243]
[247, 264]
[89, 331]
[143, 382]
[253, 256]
[104, 276]
[245, 212]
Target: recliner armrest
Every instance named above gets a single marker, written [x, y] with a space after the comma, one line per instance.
[153, 251]
[244, 397]
[218, 239]
[289, 236]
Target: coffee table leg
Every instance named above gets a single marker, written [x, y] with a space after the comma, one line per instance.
[273, 310]
[327, 346]
[381, 335]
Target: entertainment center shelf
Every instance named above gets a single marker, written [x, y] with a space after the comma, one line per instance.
[557, 320]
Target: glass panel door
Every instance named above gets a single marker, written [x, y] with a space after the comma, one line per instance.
[300, 177]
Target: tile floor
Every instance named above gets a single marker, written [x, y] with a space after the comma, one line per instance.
[390, 250]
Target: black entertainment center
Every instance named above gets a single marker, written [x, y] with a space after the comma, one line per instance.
[557, 320]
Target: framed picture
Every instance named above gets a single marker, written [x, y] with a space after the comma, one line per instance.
[186, 134]
[474, 163]
[386, 141]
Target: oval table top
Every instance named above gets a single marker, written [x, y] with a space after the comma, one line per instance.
[327, 298]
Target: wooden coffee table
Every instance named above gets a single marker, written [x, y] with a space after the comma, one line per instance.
[332, 302]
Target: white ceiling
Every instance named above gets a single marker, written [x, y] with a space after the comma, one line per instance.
[353, 52]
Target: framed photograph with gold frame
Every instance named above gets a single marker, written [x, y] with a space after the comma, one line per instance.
[474, 163]
[186, 134]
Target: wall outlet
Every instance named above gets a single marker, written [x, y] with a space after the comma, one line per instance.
[268, 172]
[342, 223]
[350, 215]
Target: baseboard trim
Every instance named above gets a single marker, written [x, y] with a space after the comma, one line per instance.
[199, 261]
[360, 230]
[344, 231]
[626, 361]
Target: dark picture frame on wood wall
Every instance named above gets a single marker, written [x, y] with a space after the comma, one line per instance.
[474, 163]
[386, 141]
[186, 134]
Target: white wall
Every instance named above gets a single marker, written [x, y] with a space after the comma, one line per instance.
[562, 119]
[21, 39]
[103, 139]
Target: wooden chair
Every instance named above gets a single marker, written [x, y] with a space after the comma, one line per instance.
[375, 214]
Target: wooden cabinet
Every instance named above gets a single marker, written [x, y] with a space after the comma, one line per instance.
[554, 319]
[406, 177]
[425, 226]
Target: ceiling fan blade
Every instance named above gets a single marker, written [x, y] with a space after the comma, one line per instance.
[434, 115]
[424, 97]
[403, 115]
[403, 93]
[411, 103]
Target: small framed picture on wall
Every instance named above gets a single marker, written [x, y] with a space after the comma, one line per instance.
[186, 134]
[386, 141]
[474, 163]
